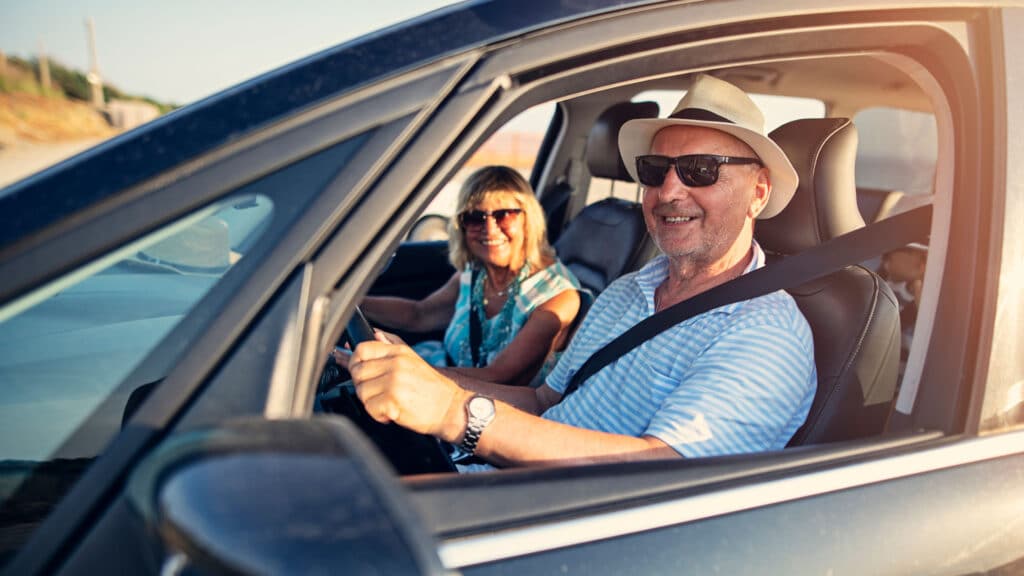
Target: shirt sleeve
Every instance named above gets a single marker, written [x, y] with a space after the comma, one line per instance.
[742, 394]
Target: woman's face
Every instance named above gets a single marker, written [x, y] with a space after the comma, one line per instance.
[500, 239]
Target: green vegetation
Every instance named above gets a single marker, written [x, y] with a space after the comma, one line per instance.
[22, 77]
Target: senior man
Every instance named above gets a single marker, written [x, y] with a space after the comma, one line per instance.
[736, 379]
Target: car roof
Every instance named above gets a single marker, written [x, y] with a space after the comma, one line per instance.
[102, 172]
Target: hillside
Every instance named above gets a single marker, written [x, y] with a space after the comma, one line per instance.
[37, 118]
[30, 113]
[39, 127]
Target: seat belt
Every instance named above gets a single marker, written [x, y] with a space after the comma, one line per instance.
[842, 251]
[475, 329]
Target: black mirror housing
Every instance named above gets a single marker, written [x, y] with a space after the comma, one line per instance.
[280, 496]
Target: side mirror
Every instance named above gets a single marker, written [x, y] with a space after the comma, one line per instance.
[280, 496]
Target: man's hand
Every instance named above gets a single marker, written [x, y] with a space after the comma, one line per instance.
[396, 385]
[343, 355]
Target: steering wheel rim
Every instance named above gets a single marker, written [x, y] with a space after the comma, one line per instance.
[409, 452]
[358, 329]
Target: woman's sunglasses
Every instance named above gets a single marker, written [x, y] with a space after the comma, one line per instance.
[697, 170]
[478, 218]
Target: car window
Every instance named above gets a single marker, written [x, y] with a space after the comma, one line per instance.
[515, 144]
[897, 150]
[777, 111]
[65, 348]
[896, 155]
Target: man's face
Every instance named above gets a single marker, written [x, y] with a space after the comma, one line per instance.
[700, 225]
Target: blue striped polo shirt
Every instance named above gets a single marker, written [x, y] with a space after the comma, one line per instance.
[736, 379]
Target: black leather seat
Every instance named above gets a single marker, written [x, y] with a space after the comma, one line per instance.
[602, 161]
[608, 238]
[853, 313]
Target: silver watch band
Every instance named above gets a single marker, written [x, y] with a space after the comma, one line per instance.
[479, 413]
[470, 438]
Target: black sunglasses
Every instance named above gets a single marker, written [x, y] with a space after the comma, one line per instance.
[479, 217]
[694, 169]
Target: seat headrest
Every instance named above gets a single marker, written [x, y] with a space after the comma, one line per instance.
[597, 264]
[824, 152]
[603, 159]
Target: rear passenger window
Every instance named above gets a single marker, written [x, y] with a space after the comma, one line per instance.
[515, 144]
[897, 150]
[896, 156]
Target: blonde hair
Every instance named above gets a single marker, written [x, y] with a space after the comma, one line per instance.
[491, 181]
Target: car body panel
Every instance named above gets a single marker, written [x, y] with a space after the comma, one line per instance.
[1004, 396]
[871, 528]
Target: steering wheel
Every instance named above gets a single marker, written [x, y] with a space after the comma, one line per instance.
[358, 329]
[408, 451]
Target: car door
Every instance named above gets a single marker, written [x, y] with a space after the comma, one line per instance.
[235, 339]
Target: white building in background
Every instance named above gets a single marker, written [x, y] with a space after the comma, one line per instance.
[127, 114]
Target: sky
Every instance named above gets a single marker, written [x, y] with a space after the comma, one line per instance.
[182, 50]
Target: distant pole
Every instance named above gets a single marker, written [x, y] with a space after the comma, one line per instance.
[3, 63]
[94, 66]
[44, 68]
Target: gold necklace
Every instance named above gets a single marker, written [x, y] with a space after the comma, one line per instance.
[497, 293]
[512, 285]
[503, 291]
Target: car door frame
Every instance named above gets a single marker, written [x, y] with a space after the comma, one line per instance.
[528, 74]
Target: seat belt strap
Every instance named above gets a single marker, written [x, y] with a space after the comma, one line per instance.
[475, 329]
[842, 251]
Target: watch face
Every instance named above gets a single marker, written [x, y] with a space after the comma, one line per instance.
[481, 407]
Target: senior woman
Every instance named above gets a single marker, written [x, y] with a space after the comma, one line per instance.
[507, 277]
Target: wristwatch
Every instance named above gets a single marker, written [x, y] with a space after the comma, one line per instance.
[479, 413]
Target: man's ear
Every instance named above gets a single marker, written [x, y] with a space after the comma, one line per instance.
[762, 190]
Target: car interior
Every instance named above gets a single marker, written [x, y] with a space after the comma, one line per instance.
[829, 202]
[861, 348]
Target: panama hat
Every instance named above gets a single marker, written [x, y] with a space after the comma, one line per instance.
[717, 104]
